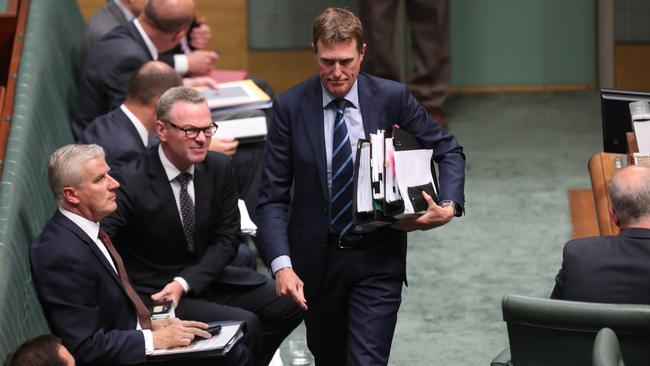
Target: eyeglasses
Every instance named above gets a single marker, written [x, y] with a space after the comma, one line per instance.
[193, 132]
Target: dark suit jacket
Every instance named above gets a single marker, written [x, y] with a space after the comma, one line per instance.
[117, 135]
[147, 228]
[606, 269]
[106, 73]
[82, 297]
[296, 155]
[102, 21]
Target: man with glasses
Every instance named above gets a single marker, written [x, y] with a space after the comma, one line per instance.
[176, 228]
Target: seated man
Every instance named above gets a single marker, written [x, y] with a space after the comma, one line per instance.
[613, 269]
[124, 132]
[80, 278]
[176, 228]
[45, 350]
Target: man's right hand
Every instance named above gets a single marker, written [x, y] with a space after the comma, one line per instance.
[201, 62]
[177, 333]
[224, 145]
[287, 283]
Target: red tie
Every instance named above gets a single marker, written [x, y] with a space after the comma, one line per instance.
[143, 313]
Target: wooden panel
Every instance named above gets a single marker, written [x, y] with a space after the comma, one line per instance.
[631, 67]
[227, 18]
[583, 213]
[88, 7]
[282, 69]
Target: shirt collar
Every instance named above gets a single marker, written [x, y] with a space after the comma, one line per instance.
[352, 96]
[142, 131]
[170, 169]
[127, 13]
[152, 47]
[89, 227]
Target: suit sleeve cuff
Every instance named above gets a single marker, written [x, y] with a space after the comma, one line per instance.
[280, 262]
[148, 341]
[181, 280]
[181, 64]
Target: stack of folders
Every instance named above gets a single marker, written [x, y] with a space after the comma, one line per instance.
[390, 174]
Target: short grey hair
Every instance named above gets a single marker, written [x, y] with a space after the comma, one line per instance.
[64, 166]
[630, 196]
[174, 95]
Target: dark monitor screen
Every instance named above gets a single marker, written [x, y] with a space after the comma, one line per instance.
[614, 105]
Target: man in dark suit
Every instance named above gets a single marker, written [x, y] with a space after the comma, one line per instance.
[176, 227]
[352, 282]
[44, 350]
[111, 62]
[613, 269]
[124, 132]
[80, 279]
[109, 16]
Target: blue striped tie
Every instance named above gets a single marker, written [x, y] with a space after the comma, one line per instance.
[341, 203]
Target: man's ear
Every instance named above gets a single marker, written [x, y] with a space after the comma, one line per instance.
[160, 130]
[70, 196]
[613, 217]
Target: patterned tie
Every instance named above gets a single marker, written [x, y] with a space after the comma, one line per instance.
[187, 210]
[143, 314]
[341, 204]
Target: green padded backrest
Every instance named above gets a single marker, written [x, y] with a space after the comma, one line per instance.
[45, 91]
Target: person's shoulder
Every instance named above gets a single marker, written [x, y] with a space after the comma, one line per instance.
[297, 92]
[587, 245]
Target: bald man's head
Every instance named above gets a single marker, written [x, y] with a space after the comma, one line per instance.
[170, 15]
[150, 81]
[629, 192]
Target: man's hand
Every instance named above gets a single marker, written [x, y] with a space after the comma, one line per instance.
[199, 81]
[200, 36]
[201, 62]
[172, 291]
[434, 216]
[162, 323]
[178, 333]
[287, 283]
[224, 145]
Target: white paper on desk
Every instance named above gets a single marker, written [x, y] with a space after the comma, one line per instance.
[227, 337]
[642, 133]
[242, 128]
[412, 168]
[364, 188]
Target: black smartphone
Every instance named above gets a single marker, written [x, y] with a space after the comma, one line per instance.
[214, 328]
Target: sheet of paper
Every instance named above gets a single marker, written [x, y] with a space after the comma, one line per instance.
[377, 164]
[642, 132]
[412, 168]
[391, 191]
[226, 337]
[364, 188]
[242, 128]
[247, 225]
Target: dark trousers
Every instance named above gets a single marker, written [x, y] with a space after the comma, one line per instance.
[352, 317]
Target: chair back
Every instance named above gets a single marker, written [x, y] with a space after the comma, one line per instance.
[607, 350]
[544, 332]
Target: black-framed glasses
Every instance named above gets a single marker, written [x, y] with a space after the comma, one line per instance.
[193, 132]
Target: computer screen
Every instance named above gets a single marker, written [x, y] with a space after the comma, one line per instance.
[616, 118]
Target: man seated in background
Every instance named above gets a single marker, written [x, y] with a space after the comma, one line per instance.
[613, 269]
[117, 12]
[110, 64]
[44, 350]
[80, 278]
[176, 227]
[125, 132]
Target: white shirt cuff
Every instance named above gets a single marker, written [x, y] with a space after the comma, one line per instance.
[148, 341]
[280, 262]
[183, 283]
[181, 64]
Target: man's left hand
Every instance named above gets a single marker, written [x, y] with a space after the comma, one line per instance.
[172, 291]
[200, 36]
[434, 216]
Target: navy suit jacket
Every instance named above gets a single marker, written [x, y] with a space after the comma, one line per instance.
[82, 297]
[117, 135]
[146, 228]
[296, 157]
[106, 73]
[606, 269]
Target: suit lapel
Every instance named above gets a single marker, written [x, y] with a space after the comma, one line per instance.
[202, 185]
[312, 110]
[133, 31]
[116, 12]
[130, 129]
[162, 189]
[369, 109]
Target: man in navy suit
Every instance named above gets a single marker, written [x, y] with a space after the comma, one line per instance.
[111, 62]
[125, 132]
[349, 283]
[80, 279]
[613, 269]
[176, 227]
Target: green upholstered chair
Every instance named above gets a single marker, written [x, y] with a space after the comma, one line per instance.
[544, 332]
[46, 90]
[607, 350]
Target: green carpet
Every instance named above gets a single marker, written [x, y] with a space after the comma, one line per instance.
[524, 151]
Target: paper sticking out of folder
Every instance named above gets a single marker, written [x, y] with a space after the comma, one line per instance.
[243, 94]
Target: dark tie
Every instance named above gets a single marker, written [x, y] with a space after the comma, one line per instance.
[143, 314]
[341, 203]
[187, 210]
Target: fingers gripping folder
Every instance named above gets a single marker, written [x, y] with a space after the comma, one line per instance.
[390, 174]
